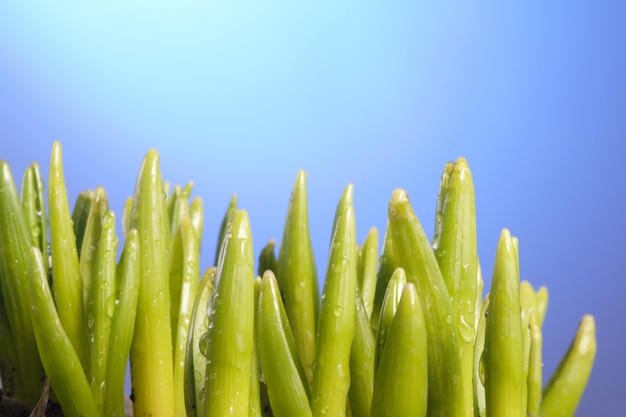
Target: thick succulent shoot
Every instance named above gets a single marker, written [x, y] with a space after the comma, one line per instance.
[404, 331]
[445, 392]
[331, 371]
[231, 323]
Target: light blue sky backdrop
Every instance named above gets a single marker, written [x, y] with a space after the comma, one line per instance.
[238, 96]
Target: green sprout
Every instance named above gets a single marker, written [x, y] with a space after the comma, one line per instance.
[231, 324]
[20, 366]
[454, 245]
[297, 277]
[401, 383]
[68, 285]
[402, 331]
[503, 335]
[445, 394]
[283, 372]
[151, 351]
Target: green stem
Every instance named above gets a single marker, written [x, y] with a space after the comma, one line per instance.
[534, 368]
[102, 308]
[128, 206]
[255, 406]
[128, 274]
[283, 373]
[15, 243]
[231, 321]
[388, 310]
[80, 215]
[446, 396]
[33, 203]
[297, 276]
[185, 265]
[57, 352]
[480, 406]
[67, 282]
[90, 239]
[567, 385]
[196, 215]
[228, 217]
[542, 304]
[151, 351]
[401, 384]
[388, 263]
[267, 258]
[362, 355]
[528, 305]
[180, 206]
[331, 373]
[503, 335]
[195, 362]
[368, 264]
[454, 245]
[9, 359]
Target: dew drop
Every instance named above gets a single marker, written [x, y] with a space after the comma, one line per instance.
[481, 368]
[204, 345]
[111, 305]
[466, 330]
[91, 319]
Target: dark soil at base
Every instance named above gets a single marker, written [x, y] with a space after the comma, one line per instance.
[9, 407]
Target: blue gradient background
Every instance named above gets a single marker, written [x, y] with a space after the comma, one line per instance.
[238, 96]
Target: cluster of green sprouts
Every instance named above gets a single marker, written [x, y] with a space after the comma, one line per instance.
[404, 331]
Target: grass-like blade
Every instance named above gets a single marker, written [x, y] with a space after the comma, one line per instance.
[388, 309]
[59, 358]
[528, 303]
[80, 214]
[180, 206]
[15, 242]
[9, 362]
[128, 206]
[542, 304]
[445, 392]
[480, 285]
[567, 385]
[101, 308]
[67, 282]
[389, 261]
[195, 358]
[151, 350]
[362, 355]
[254, 404]
[185, 271]
[401, 384]
[283, 373]
[535, 366]
[196, 215]
[454, 245]
[231, 321]
[127, 278]
[480, 405]
[90, 239]
[228, 217]
[368, 268]
[297, 276]
[267, 258]
[502, 355]
[33, 203]
[331, 371]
